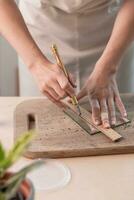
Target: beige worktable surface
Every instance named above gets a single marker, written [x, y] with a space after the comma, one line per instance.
[94, 178]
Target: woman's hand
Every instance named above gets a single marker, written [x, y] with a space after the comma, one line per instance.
[52, 81]
[103, 95]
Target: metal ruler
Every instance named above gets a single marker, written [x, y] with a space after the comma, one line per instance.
[85, 121]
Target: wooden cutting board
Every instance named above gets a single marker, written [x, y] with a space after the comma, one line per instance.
[59, 136]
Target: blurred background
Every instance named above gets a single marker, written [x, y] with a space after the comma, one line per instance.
[9, 84]
[8, 70]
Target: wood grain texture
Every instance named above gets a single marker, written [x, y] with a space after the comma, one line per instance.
[59, 136]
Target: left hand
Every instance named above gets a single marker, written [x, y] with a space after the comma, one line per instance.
[101, 87]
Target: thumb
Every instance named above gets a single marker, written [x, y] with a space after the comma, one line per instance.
[82, 93]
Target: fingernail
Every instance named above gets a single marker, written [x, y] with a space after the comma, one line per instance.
[93, 130]
[69, 100]
[113, 122]
[125, 114]
[58, 98]
[125, 119]
[106, 125]
[97, 122]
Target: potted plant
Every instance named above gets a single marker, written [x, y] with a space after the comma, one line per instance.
[15, 186]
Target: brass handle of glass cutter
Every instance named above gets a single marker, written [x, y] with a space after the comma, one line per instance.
[62, 66]
[58, 60]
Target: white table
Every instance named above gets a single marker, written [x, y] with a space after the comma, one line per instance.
[94, 178]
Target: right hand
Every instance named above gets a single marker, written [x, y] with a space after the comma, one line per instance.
[52, 81]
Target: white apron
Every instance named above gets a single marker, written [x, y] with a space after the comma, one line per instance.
[80, 28]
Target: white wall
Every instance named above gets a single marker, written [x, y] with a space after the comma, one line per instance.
[8, 69]
[126, 71]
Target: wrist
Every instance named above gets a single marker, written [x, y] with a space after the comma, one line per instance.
[103, 74]
[38, 61]
[33, 56]
[106, 67]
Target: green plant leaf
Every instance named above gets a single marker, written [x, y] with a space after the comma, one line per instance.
[17, 150]
[12, 189]
[2, 196]
[13, 183]
[2, 157]
[2, 153]
[21, 174]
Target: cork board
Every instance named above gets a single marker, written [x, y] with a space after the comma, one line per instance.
[59, 136]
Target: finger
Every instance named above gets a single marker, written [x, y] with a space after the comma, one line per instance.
[111, 108]
[58, 103]
[49, 97]
[93, 130]
[69, 100]
[120, 106]
[69, 89]
[65, 85]
[104, 113]
[72, 80]
[82, 93]
[119, 102]
[61, 93]
[95, 111]
[53, 94]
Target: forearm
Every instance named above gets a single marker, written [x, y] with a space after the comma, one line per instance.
[13, 28]
[121, 37]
